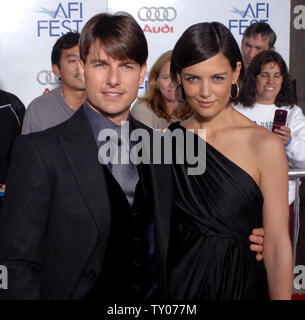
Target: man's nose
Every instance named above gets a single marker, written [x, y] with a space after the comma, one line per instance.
[113, 76]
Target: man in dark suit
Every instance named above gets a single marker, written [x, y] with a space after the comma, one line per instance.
[67, 230]
[71, 228]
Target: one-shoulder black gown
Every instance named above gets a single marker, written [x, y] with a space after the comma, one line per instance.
[213, 216]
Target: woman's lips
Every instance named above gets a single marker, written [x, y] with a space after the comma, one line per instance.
[206, 104]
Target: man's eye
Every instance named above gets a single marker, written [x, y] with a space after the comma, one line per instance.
[128, 66]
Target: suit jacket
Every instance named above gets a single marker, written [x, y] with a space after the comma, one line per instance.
[56, 215]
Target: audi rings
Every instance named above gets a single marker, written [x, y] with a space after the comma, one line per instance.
[157, 14]
[46, 77]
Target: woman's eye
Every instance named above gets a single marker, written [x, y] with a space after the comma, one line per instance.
[218, 78]
[191, 79]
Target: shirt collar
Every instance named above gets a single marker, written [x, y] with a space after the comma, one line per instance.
[98, 122]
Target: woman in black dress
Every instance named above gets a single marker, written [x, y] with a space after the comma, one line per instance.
[244, 185]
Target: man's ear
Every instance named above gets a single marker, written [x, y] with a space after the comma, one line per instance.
[81, 67]
[179, 78]
[56, 70]
[273, 48]
[142, 73]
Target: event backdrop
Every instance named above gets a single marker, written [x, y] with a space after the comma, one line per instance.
[28, 30]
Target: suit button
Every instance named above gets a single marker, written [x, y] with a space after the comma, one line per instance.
[136, 213]
[137, 263]
[135, 288]
[92, 274]
[136, 238]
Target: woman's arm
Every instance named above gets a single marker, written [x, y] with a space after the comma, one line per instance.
[277, 245]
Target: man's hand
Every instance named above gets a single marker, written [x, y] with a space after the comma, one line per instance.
[257, 239]
[284, 133]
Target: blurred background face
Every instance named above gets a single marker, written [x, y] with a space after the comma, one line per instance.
[68, 71]
[166, 86]
[252, 46]
[268, 83]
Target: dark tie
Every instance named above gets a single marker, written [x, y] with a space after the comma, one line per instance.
[125, 172]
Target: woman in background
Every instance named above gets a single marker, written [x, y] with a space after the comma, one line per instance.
[268, 87]
[244, 185]
[160, 106]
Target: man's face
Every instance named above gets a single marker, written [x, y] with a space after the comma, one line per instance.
[251, 46]
[111, 84]
[68, 69]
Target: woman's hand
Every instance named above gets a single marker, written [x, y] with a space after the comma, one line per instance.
[284, 133]
[257, 245]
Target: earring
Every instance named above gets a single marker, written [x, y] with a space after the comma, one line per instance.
[237, 91]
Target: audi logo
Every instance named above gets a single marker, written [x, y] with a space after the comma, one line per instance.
[46, 77]
[157, 14]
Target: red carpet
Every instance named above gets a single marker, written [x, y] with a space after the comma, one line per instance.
[297, 296]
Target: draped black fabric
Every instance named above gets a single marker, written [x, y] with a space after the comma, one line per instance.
[213, 216]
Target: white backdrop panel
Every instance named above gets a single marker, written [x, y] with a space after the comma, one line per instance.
[164, 21]
[28, 30]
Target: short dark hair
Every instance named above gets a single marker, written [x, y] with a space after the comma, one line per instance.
[202, 41]
[120, 35]
[286, 96]
[67, 41]
[263, 29]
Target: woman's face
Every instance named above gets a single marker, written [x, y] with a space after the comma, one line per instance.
[268, 83]
[207, 85]
[166, 86]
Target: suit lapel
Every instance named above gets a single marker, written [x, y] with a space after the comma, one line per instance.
[80, 148]
[158, 180]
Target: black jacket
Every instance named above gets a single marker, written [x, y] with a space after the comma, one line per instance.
[11, 116]
[56, 216]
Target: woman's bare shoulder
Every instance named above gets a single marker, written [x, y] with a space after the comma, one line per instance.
[266, 145]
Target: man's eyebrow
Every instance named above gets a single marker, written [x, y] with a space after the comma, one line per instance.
[97, 60]
[71, 55]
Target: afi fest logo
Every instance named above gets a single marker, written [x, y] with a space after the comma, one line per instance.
[299, 20]
[3, 277]
[252, 13]
[155, 15]
[65, 18]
